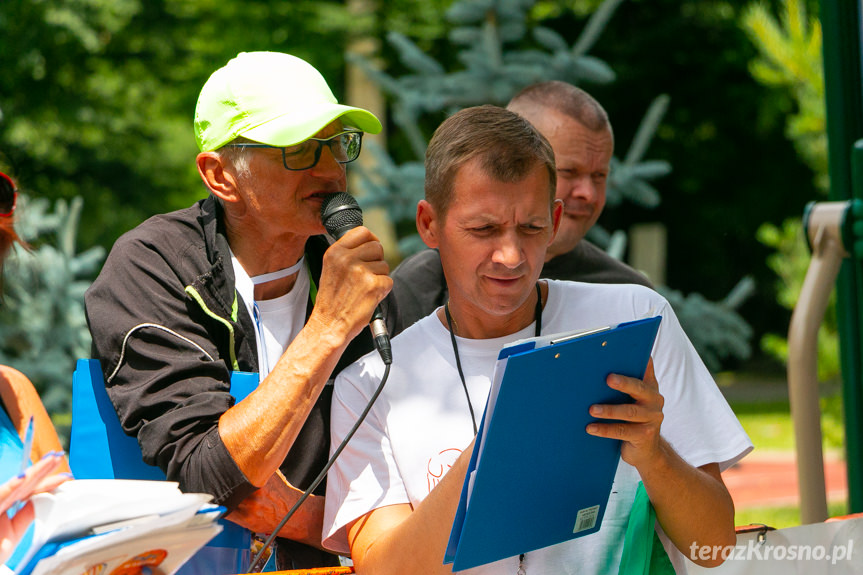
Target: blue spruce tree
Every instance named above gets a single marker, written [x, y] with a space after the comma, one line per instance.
[43, 329]
[500, 52]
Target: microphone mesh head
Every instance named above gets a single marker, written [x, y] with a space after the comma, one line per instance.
[340, 213]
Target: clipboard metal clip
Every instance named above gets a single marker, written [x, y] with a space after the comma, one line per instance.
[579, 334]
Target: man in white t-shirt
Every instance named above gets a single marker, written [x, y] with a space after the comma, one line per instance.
[491, 212]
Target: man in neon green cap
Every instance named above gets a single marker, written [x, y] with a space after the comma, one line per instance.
[244, 280]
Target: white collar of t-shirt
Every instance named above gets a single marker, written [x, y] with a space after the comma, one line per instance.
[277, 321]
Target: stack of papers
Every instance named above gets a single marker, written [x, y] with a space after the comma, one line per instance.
[115, 526]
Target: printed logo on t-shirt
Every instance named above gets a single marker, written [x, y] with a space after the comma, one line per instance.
[439, 464]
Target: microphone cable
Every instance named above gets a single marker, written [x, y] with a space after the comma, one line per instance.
[257, 558]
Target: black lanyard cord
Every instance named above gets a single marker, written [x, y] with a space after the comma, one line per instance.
[254, 564]
[537, 316]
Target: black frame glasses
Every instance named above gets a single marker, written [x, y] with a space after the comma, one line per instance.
[345, 147]
[8, 195]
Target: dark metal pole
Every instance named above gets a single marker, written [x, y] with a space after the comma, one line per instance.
[840, 21]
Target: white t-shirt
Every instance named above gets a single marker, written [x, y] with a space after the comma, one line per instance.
[277, 321]
[421, 422]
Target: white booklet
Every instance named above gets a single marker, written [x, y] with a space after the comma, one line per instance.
[99, 526]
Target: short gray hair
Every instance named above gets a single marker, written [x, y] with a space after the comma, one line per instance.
[237, 157]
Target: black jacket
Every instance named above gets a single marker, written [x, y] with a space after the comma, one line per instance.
[169, 327]
[419, 285]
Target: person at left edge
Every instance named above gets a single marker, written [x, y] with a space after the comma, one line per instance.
[244, 280]
[21, 415]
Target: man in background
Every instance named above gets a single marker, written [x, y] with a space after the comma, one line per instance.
[578, 129]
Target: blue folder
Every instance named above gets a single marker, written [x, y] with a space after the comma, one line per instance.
[540, 478]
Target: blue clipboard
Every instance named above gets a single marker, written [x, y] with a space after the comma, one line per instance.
[536, 478]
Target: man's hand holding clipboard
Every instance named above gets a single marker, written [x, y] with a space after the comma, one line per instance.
[636, 424]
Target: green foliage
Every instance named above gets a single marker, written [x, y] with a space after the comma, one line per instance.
[423, 21]
[833, 422]
[790, 262]
[97, 97]
[97, 100]
[74, 112]
[43, 329]
[790, 61]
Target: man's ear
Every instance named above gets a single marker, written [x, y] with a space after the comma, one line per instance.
[222, 183]
[556, 217]
[428, 224]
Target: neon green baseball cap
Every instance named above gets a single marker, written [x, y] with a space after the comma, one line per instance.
[271, 98]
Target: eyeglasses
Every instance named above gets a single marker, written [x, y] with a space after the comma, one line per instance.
[8, 195]
[345, 148]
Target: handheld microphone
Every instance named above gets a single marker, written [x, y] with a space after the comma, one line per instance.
[341, 213]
